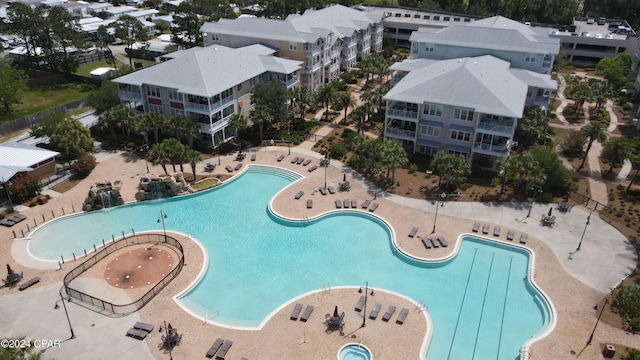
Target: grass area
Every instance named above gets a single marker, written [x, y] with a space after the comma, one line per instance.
[42, 98]
[205, 184]
[86, 69]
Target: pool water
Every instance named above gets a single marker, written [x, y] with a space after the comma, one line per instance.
[354, 352]
[480, 301]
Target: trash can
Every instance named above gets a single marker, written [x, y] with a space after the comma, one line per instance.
[137, 64]
[609, 351]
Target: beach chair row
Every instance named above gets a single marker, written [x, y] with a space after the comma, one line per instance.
[387, 315]
[219, 349]
[295, 313]
[300, 161]
[232, 169]
[353, 203]
[496, 232]
[434, 242]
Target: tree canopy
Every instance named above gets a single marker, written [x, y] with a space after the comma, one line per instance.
[13, 84]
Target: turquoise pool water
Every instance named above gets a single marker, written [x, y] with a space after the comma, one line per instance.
[354, 352]
[480, 301]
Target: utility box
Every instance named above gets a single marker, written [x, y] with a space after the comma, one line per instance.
[609, 351]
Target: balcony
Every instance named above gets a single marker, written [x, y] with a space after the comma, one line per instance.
[409, 114]
[206, 108]
[314, 51]
[215, 127]
[289, 83]
[493, 149]
[502, 126]
[130, 95]
[399, 133]
[314, 67]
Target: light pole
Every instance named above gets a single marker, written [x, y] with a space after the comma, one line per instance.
[289, 147]
[144, 149]
[539, 189]
[64, 306]
[584, 231]
[168, 341]
[438, 202]
[161, 219]
[597, 321]
[366, 292]
[325, 162]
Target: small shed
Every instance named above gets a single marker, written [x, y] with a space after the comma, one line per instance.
[102, 73]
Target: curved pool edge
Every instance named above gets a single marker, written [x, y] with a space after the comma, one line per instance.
[371, 357]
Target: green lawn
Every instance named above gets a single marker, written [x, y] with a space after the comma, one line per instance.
[42, 98]
[86, 69]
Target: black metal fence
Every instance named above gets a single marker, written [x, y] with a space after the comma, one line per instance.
[30, 120]
[612, 215]
[124, 309]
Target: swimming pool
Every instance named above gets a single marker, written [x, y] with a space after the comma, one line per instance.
[480, 301]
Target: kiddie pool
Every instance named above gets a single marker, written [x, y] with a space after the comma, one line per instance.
[354, 351]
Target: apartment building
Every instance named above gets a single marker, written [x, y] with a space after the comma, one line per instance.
[206, 84]
[468, 106]
[327, 41]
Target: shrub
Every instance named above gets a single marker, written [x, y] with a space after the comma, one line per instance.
[337, 150]
[24, 188]
[84, 165]
[627, 302]
[413, 168]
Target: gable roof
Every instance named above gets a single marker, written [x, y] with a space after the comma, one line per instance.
[16, 157]
[208, 71]
[495, 33]
[486, 84]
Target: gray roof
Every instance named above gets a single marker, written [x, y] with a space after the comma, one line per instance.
[485, 83]
[341, 20]
[495, 33]
[412, 64]
[534, 79]
[259, 28]
[208, 71]
[16, 157]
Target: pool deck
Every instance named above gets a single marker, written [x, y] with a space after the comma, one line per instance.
[574, 281]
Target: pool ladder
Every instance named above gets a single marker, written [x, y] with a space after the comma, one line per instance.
[422, 307]
[531, 273]
[326, 287]
[216, 313]
[305, 218]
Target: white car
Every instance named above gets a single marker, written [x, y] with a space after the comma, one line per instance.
[598, 36]
[609, 36]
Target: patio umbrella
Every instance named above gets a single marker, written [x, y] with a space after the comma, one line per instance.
[344, 177]
[550, 210]
[9, 269]
[335, 311]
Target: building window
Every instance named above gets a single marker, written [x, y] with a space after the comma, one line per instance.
[432, 110]
[153, 91]
[429, 130]
[428, 150]
[155, 108]
[252, 82]
[177, 112]
[529, 92]
[215, 37]
[428, 47]
[460, 135]
[459, 153]
[463, 114]
[239, 87]
[530, 58]
[175, 95]
[293, 46]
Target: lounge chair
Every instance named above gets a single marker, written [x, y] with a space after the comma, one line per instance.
[426, 242]
[214, 348]
[253, 157]
[373, 207]
[280, 158]
[299, 195]
[29, 283]
[7, 222]
[136, 333]
[413, 232]
[403, 315]
[374, 312]
[523, 238]
[240, 156]
[300, 161]
[442, 241]
[389, 313]
[510, 235]
[18, 217]
[307, 312]
[354, 203]
[331, 189]
[238, 166]
[296, 312]
[476, 227]
[485, 228]
[323, 191]
[143, 326]
[564, 207]
[434, 243]
[360, 304]
[345, 186]
[229, 168]
[309, 204]
[496, 231]
[209, 167]
[338, 204]
[313, 168]
[365, 204]
[306, 162]
[223, 350]
[345, 203]
[294, 160]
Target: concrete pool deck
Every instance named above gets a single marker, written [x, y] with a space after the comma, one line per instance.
[574, 281]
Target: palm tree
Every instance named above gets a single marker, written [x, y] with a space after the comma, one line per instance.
[594, 130]
[394, 156]
[581, 93]
[602, 91]
[157, 155]
[616, 151]
[193, 157]
[533, 123]
[635, 163]
[325, 94]
[238, 122]
[524, 164]
[306, 99]
[109, 120]
[346, 100]
[156, 121]
[260, 115]
[359, 145]
[184, 128]
[358, 115]
[505, 164]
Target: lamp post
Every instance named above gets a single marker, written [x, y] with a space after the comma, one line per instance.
[438, 202]
[325, 162]
[289, 147]
[597, 321]
[144, 149]
[168, 341]
[584, 231]
[366, 292]
[161, 219]
[539, 189]
[4, 185]
[64, 306]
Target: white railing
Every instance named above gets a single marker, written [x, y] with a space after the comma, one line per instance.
[400, 132]
[403, 113]
[493, 148]
[505, 129]
[130, 95]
